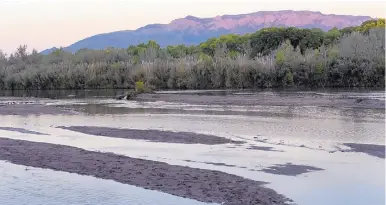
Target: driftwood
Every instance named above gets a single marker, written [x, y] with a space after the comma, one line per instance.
[127, 96]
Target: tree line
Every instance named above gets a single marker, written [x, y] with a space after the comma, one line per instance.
[270, 57]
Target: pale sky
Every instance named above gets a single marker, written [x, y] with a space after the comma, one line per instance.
[43, 24]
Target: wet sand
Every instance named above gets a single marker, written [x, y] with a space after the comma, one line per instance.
[213, 163]
[290, 169]
[370, 149]
[271, 100]
[280, 169]
[202, 185]
[21, 130]
[152, 135]
[263, 148]
[32, 109]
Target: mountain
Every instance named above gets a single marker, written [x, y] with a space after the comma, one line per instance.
[193, 30]
[49, 50]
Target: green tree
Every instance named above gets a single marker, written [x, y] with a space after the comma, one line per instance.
[332, 36]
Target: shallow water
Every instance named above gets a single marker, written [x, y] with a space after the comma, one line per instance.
[347, 178]
[36, 186]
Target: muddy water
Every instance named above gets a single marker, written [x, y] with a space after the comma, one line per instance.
[306, 135]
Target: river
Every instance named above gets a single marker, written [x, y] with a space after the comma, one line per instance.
[293, 131]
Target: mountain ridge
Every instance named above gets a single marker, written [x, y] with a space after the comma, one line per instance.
[192, 30]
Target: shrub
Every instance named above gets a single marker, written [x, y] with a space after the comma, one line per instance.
[355, 59]
[140, 87]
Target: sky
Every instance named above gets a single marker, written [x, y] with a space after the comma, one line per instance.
[42, 24]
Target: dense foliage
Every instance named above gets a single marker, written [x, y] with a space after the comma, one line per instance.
[271, 57]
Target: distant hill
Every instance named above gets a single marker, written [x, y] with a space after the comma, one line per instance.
[192, 30]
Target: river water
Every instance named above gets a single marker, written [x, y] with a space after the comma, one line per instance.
[37, 186]
[304, 135]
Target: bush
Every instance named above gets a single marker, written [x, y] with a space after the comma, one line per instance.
[139, 87]
[355, 59]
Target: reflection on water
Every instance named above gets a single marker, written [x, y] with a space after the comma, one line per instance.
[34, 186]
